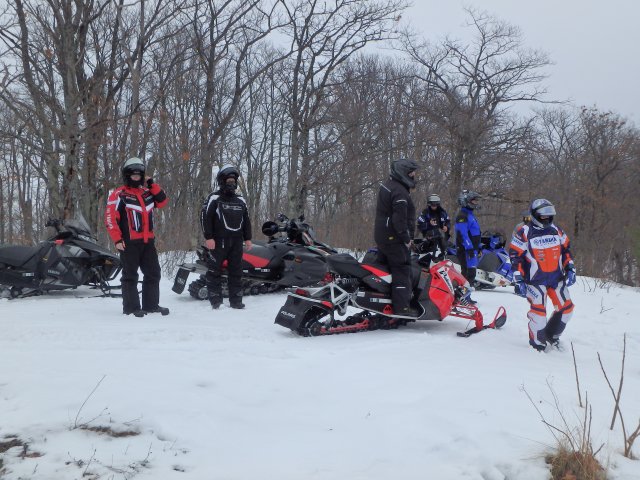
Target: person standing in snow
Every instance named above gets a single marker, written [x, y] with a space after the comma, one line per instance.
[542, 266]
[225, 223]
[394, 230]
[468, 235]
[129, 222]
[434, 224]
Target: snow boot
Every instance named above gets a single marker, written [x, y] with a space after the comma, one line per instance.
[163, 310]
[138, 313]
[537, 347]
[237, 304]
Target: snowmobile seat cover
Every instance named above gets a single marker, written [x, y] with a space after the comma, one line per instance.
[490, 262]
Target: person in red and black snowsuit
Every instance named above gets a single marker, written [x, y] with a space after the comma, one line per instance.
[129, 221]
[225, 223]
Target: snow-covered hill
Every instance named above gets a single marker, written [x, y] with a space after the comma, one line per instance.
[229, 395]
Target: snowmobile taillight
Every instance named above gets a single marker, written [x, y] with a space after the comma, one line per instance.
[300, 291]
[327, 304]
[387, 310]
[59, 241]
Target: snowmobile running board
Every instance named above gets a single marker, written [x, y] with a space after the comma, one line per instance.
[498, 321]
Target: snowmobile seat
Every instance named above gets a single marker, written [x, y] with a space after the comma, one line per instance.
[345, 264]
[17, 255]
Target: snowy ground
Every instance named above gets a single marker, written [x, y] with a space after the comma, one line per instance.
[229, 395]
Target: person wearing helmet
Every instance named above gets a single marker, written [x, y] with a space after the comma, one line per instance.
[129, 222]
[526, 218]
[434, 224]
[225, 223]
[394, 230]
[468, 235]
[542, 267]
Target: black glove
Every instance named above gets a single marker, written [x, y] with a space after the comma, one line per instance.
[149, 182]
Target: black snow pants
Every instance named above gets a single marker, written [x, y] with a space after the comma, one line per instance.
[229, 249]
[143, 256]
[398, 258]
[467, 272]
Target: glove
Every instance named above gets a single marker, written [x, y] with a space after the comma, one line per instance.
[570, 275]
[149, 182]
[521, 287]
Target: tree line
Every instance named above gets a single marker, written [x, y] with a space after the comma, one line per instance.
[292, 93]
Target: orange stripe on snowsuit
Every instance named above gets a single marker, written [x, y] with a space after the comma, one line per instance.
[566, 307]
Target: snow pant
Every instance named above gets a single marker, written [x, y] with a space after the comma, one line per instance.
[541, 331]
[398, 258]
[229, 249]
[468, 272]
[143, 256]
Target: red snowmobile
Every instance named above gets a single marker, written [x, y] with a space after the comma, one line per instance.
[438, 292]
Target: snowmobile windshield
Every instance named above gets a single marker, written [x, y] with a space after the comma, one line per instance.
[80, 228]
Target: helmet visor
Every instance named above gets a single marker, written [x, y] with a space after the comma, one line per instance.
[546, 211]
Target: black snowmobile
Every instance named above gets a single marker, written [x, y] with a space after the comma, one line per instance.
[70, 258]
[291, 257]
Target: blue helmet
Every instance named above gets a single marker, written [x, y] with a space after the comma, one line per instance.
[541, 207]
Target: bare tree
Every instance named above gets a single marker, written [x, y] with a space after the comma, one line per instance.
[323, 36]
[470, 87]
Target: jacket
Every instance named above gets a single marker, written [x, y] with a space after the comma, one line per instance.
[225, 216]
[129, 213]
[395, 214]
[467, 230]
[540, 254]
[440, 215]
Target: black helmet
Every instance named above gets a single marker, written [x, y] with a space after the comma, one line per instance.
[225, 172]
[400, 170]
[433, 199]
[466, 198]
[542, 207]
[270, 228]
[134, 164]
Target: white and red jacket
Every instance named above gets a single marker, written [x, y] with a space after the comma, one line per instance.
[129, 214]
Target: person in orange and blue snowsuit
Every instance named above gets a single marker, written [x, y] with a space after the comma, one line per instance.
[542, 266]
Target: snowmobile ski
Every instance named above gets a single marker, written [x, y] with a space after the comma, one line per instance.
[498, 321]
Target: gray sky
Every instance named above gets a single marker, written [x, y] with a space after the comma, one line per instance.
[595, 45]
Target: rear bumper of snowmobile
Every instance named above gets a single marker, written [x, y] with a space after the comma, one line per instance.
[183, 274]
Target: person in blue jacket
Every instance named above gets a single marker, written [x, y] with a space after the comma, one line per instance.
[468, 234]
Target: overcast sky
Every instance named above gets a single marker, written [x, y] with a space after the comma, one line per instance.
[595, 45]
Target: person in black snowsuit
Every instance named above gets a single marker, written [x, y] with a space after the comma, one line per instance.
[226, 227]
[434, 224]
[394, 230]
